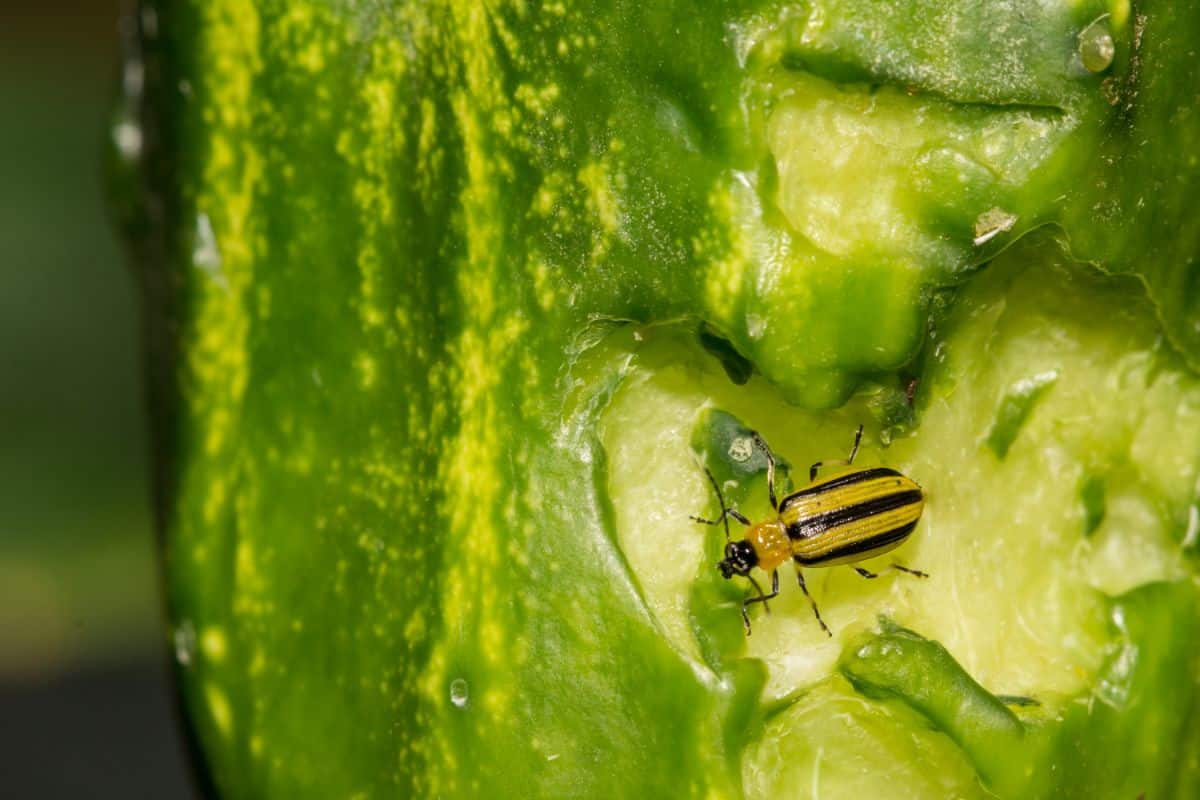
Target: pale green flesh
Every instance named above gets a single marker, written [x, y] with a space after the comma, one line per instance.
[834, 744]
[1017, 591]
[869, 171]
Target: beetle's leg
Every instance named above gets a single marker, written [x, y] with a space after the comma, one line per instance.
[915, 572]
[758, 440]
[812, 471]
[816, 611]
[762, 598]
[727, 512]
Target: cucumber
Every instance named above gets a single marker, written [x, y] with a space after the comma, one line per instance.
[448, 303]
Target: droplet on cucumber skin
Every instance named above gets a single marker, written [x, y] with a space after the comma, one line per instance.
[1096, 46]
[206, 255]
[185, 642]
[127, 138]
[459, 693]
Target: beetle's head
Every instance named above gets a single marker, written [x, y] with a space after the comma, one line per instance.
[739, 559]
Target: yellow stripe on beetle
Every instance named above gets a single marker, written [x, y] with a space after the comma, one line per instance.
[849, 517]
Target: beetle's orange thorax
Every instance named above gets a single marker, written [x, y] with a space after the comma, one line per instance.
[771, 543]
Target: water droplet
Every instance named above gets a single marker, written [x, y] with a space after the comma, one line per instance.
[741, 448]
[1096, 47]
[127, 136]
[185, 642]
[459, 694]
[205, 254]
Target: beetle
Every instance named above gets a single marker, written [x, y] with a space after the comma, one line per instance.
[846, 518]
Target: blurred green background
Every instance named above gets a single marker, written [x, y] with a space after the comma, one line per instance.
[84, 691]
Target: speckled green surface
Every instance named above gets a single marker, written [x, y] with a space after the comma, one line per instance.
[386, 241]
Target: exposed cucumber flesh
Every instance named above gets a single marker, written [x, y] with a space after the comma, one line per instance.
[1018, 589]
[832, 743]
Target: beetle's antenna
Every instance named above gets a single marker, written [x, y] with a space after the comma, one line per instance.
[762, 445]
[720, 499]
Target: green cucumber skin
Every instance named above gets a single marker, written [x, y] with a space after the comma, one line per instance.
[377, 236]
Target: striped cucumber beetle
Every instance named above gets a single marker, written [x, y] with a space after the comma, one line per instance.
[849, 517]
